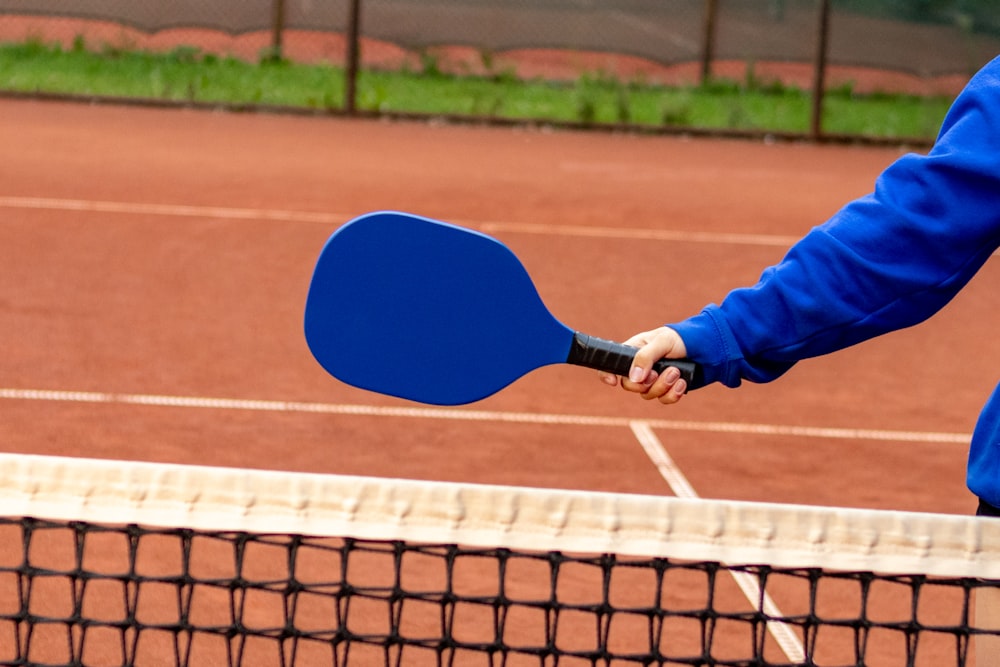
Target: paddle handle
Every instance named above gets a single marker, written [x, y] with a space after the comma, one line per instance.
[612, 357]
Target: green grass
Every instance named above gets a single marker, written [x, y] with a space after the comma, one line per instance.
[187, 75]
[181, 75]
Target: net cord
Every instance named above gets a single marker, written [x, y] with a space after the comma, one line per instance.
[259, 501]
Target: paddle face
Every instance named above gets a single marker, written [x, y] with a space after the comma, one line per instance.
[427, 311]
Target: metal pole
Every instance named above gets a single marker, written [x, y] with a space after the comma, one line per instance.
[353, 55]
[277, 29]
[708, 40]
[819, 72]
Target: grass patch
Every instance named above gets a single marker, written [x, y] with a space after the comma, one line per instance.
[183, 74]
[186, 74]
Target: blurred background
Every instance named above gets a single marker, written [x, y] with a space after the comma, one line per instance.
[637, 63]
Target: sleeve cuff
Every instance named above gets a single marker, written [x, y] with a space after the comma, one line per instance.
[710, 342]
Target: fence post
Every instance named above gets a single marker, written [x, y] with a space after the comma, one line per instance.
[708, 40]
[353, 55]
[277, 29]
[819, 72]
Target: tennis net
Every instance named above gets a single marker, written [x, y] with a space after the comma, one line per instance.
[122, 563]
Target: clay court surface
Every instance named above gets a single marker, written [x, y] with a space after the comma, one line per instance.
[166, 253]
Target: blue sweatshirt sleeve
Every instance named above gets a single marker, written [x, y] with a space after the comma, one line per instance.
[886, 261]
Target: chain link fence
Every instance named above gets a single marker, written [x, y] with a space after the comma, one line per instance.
[912, 46]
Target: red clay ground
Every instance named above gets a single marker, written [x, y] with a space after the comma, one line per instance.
[203, 296]
[186, 304]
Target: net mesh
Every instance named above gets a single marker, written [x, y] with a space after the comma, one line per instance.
[204, 578]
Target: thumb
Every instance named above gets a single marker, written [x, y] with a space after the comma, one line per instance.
[653, 346]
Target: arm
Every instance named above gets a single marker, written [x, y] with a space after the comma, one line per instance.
[884, 262]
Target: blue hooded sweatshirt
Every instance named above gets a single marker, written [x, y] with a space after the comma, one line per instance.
[885, 261]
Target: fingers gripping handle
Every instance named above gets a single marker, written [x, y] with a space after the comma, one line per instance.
[612, 357]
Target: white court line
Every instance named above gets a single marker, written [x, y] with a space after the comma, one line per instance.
[229, 213]
[463, 414]
[175, 210]
[654, 449]
[641, 234]
[782, 632]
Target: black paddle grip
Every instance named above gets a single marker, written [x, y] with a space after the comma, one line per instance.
[612, 357]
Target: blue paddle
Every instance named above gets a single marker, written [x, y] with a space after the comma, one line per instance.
[427, 311]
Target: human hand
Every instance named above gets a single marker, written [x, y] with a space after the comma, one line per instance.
[653, 345]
